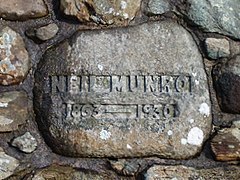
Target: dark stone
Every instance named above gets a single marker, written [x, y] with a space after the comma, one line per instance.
[227, 85]
[226, 144]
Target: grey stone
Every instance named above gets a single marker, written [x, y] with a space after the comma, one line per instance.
[22, 9]
[227, 84]
[139, 91]
[13, 110]
[43, 33]
[26, 143]
[101, 11]
[182, 172]
[156, 7]
[221, 16]
[7, 164]
[14, 59]
[47, 32]
[217, 48]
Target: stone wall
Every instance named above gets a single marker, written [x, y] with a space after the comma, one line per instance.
[119, 89]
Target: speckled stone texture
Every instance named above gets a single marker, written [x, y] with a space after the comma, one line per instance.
[138, 91]
[219, 16]
[14, 58]
[25, 143]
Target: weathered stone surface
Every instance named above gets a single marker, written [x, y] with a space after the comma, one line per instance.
[13, 110]
[26, 143]
[43, 33]
[14, 59]
[217, 48]
[68, 173]
[226, 145]
[7, 164]
[236, 124]
[183, 172]
[22, 9]
[156, 7]
[101, 11]
[220, 16]
[139, 91]
[227, 85]
[235, 47]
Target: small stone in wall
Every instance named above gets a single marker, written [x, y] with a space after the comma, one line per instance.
[127, 167]
[226, 145]
[43, 33]
[13, 110]
[47, 32]
[14, 58]
[217, 48]
[157, 7]
[26, 143]
[101, 11]
[227, 84]
[22, 9]
[7, 164]
[184, 172]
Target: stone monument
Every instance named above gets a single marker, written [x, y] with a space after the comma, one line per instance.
[137, 91]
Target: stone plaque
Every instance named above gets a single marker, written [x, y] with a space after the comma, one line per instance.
[139, 91]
